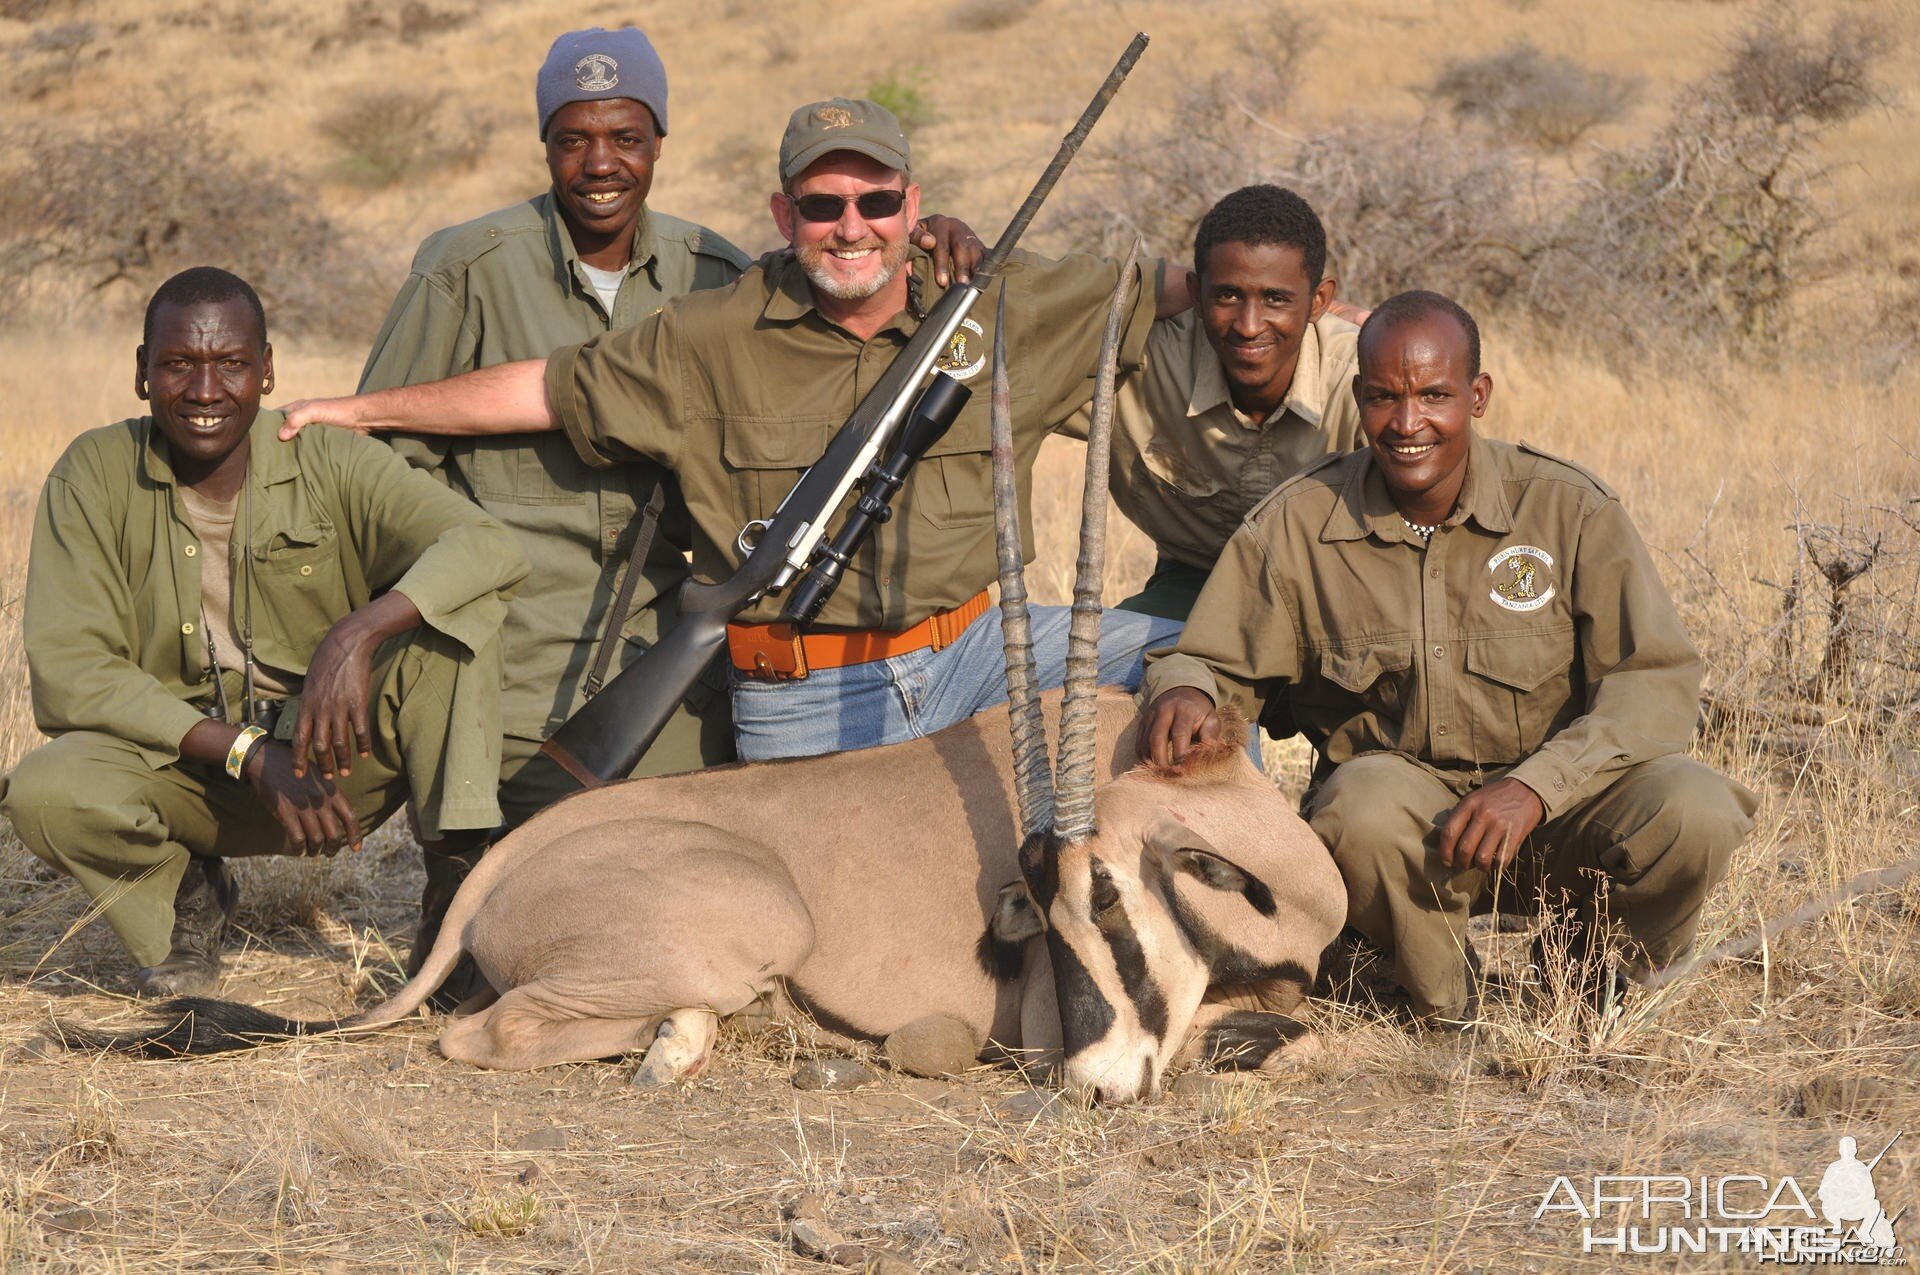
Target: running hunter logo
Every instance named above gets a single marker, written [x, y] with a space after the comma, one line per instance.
[1843, 1221]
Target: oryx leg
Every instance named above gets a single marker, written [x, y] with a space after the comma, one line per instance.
[530, 1027]
[682, 1046]
[1226, 1037]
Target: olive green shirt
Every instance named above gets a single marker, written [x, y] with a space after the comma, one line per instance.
[1533, 633]
[113, 581]
[738, 391]
[1187, 466]
[509, 286]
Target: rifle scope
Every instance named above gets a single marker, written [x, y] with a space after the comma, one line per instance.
[933, 415]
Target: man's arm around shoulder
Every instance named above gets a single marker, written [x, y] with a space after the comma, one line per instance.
[509, 398]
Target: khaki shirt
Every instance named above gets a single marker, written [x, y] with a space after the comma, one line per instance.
[505, 287]
[1532, 634]
[113, 581]
[1187, 467]
[738, 391]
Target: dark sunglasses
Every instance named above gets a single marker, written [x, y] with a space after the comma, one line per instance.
[874, 205]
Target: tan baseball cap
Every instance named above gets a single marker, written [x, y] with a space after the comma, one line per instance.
[842, 124]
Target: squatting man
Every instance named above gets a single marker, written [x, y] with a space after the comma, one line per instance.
[1474, 639]
[242, 645]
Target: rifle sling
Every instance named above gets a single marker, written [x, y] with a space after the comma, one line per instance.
[622, 605]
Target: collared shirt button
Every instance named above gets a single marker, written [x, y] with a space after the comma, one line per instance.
[1439, 651]
[1435, 573]
[190, 550]
[187, 628]
[1440, 730]
[306, 568]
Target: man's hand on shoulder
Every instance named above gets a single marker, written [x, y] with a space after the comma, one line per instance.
[1178, 718]
[338, 412]
[1488, 827]
[956, 249]
[317, 817]
[332, 726]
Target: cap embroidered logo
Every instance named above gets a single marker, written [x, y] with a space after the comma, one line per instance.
[596, 73]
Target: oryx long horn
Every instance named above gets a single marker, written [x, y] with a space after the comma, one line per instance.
[1032, 769]
[1073, 818]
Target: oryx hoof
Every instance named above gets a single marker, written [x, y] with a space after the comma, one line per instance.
[682, 1046]
[935, 1046]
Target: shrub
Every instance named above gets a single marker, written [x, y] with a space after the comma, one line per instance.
[988, 15]
[903, 94]
[97, 217]
[1718, 219]
[1542, 98]
[1707, 232]
[389, 133]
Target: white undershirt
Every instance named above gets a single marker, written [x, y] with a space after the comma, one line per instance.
[606, 283]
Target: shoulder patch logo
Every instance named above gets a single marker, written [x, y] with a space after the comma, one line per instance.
[596, 73]
[1522, 578]
[959, 360]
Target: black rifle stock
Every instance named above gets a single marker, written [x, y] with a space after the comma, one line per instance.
[611, 732]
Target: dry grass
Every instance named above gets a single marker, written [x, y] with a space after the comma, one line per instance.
[1388, 1150]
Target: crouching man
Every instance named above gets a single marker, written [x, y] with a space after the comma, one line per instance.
[1474, 639]
[242, 645]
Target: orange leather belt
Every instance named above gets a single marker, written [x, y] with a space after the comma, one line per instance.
[775, 653]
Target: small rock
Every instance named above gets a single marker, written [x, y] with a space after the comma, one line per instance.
[847, 1255]
[815, 1238]
[543, 1140]
[805, 1208]
[1197, 1084]
[881, 1262]
[81, 1219]
[835, 1075]
[935, 1046]
[525, 1172]
[41, 1047]
[1028, 1104]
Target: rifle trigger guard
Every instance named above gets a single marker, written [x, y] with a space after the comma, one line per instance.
[751, 533]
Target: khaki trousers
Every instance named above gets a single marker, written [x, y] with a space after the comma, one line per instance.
[1661, 836]
[87, 804]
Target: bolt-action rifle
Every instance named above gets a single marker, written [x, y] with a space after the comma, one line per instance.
[899, 418]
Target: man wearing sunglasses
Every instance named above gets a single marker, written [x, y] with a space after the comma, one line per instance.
[736, 391]
[586, 257]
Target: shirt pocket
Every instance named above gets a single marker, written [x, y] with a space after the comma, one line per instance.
[302, 591]
[1172, 469]
[1376, 675]
[765, 457]
[1519, 691]
[952, 485]
[540, 471]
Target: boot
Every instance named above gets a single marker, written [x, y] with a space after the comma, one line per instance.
[447, 862]
[202, 908]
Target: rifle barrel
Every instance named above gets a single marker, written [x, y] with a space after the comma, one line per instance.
[1069, 147]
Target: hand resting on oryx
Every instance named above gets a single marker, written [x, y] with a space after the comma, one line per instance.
[1135, 919]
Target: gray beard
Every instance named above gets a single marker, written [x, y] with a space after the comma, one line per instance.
[813, 262]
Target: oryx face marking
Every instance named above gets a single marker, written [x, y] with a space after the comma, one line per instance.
[1140, 925]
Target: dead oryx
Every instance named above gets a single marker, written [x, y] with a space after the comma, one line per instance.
[1135, 919]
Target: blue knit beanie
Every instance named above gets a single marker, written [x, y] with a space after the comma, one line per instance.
[591, 65]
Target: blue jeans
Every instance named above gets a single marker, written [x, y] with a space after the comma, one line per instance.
[894, 700]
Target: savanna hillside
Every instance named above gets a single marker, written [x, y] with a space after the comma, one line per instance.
[1689, 228]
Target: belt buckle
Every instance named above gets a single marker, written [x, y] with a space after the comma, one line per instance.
[766, 669]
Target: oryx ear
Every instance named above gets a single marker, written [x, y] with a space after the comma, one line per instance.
[1015, 918]
[1183, 850]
